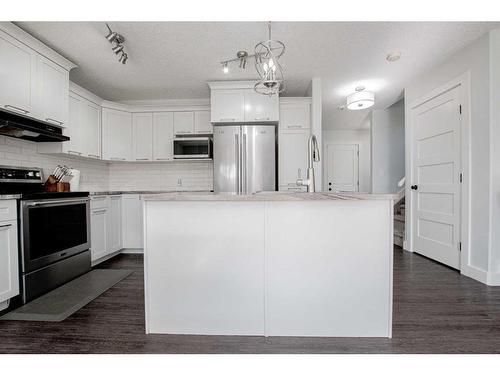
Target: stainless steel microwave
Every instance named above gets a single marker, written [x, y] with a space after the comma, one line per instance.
[193, 148]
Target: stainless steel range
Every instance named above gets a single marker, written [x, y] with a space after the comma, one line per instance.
[54, 231]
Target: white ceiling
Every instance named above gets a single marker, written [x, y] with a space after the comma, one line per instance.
[173, 60]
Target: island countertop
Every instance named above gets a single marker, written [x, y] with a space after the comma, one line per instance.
[265, 197]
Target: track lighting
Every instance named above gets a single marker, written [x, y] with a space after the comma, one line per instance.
[117, 40]
[225, 68]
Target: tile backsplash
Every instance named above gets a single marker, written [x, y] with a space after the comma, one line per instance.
[100, 176]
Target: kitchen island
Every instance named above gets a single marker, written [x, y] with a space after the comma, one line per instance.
[269, 264]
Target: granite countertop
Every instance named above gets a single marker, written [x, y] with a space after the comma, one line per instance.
[264, 197]
[4, 197]
[142, 192]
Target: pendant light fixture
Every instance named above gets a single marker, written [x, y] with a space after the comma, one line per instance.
[268, 66]
[360, 99]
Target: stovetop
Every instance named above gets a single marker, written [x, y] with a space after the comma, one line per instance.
[29, 183]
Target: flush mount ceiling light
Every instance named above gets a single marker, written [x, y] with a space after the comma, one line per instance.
[267, 55]
[393, 56]
[117, 41]
[360, 99]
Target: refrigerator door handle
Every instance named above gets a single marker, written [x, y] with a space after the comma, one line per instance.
[237, 154]
[244, 163]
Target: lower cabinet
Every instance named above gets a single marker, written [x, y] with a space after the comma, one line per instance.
[292, 157]
[105, 226]
[132, 222]
[9, 266]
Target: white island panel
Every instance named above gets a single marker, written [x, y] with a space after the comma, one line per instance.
[204, 268]
[329, 268]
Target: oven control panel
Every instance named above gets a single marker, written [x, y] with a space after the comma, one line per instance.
[20, 174]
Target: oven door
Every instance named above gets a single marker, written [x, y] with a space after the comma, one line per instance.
[193, 148]
[52, 230]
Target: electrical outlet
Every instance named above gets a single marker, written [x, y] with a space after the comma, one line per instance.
[179, 182]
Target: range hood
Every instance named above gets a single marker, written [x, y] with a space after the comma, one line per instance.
[23, 127]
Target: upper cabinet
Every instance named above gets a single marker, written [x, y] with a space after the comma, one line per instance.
[116, 135]
[17, 76]
[163, 136]
[295, 116]
[34, 79]
[202, 124]
[183, 123]
[227, 105]
[142, 128]
[52, 91]
[238, 102]
[261, 108]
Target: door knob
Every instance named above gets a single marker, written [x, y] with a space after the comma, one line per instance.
[414, 187]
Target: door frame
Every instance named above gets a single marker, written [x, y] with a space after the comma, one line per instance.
[462, 81]
[326, 164]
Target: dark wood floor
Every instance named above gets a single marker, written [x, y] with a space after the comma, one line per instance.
[435, 311]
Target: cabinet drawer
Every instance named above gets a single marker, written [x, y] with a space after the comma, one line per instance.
[99, 201]
[8, 210]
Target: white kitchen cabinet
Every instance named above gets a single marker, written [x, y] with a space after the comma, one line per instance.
[227, 105]
[261, 108]
[115, 224]
[52, 91]
[91, 130]
[163, 136]
[142, 125]
[292, 156]
[9, 255]
[202, 124]
[116, 135]
[132, 222]
[295, 116]
[99, 219]
[17, 75]
[183, 123]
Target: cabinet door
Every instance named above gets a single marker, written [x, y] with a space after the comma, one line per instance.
[202, 124]
[53, 91]
[75, 126]
[99, 232]
[295, 116]
[227, 105]
[292, 156]
[261, 108]
[17, 72]
[142, 124]
[183, 123]
[116, 134]
[115, 224]
[9, 274]
[91, 130]
[163, 135]
[132, 222]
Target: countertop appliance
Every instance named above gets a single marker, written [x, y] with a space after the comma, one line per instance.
[23, 127]
[245, 158]
[191, 147]
[54, 231]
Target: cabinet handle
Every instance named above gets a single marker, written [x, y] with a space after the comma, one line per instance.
[5, 226]
[227, 119]
[94, 156]
[23, 111]
[57, 122]
[162, 159]
[261, 119]
[117, 158]
[74, 152]
[141, 158]
[99, 211]
[294, 126]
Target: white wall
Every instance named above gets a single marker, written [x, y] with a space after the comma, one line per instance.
[484, 189]
[360, 137]
[388, 148]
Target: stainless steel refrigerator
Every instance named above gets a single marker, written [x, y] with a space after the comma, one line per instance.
[244, 158]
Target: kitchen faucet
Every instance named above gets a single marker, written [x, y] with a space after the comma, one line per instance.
[313, 155]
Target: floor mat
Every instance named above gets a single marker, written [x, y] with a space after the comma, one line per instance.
[60, 303]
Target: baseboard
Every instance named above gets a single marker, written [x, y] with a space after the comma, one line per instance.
[494, 278]
[132, 251]
[406, 247]
[475, 273]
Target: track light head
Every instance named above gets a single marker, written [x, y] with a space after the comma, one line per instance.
[123, 58]
[117, 49]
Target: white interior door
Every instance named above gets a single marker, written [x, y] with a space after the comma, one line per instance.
[343, 167]
[436, 178]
